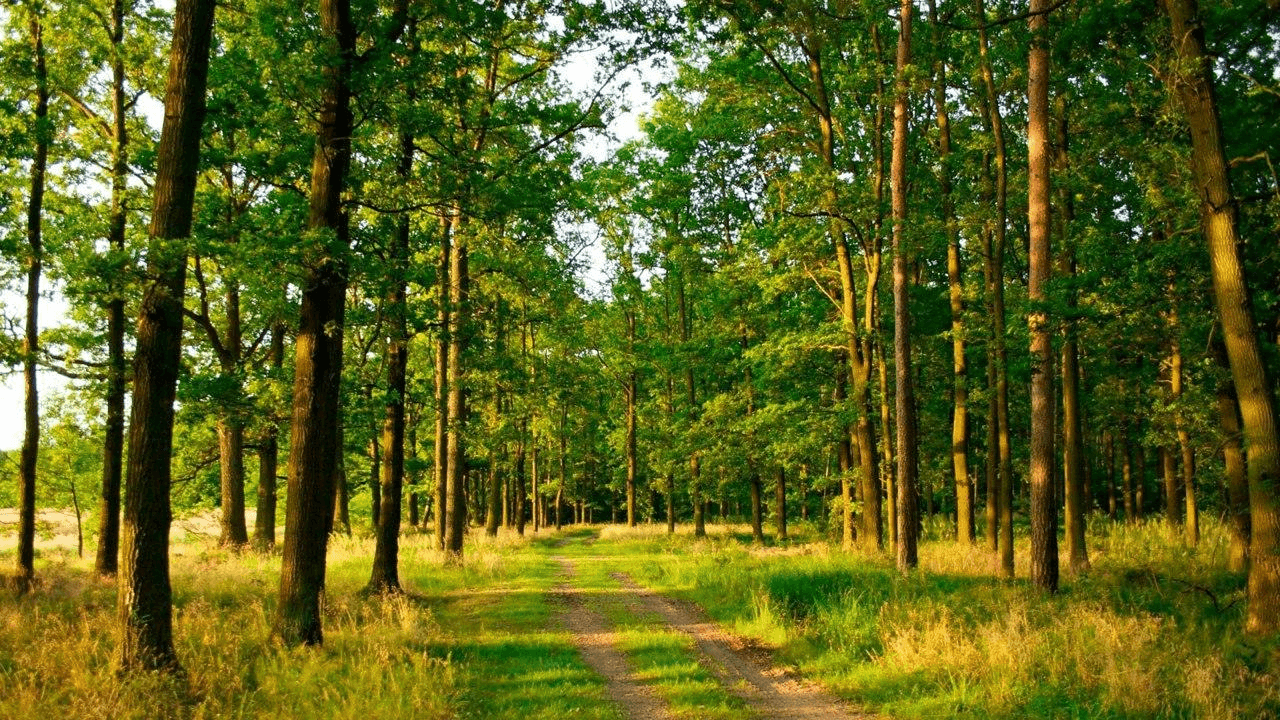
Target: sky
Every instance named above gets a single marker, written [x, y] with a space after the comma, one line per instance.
[579, 72]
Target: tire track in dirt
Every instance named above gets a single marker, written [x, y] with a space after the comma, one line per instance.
[769, 691]
[595, 640]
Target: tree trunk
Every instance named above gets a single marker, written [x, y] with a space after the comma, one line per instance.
[629, 391]
[844, 460]
[1044, 513]
[264, 528]
[955, 282]
[695, 461]
[459, 300]
[757, 509]
[107, 560]
[904, 392]
[780, 504]
[442, 381]
[385, 575]
[1192, 521]
[318, 350]
[1256, 393]
[144, 606]
[234, 533]
[31, 338]
[1233, 458]
[1073, 460]
[994, 277]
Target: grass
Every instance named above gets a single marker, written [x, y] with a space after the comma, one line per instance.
[1152, 631]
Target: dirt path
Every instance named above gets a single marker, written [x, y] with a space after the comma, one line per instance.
[749, 673]
[595, 641]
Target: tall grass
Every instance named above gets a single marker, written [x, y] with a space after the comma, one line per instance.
[1153, 630]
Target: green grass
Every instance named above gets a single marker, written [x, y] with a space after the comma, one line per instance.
[1152, 631]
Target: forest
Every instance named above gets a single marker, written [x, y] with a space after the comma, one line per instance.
[386, 355]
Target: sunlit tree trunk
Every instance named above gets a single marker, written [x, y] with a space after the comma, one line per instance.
[904, 393]
[994, 274]
[31, 336]
[314, 436]
[144, 605]
[444, 319]
[1233, 459]
[1073, 457]
[107, 560]
[459, 301]
[385, 575]
[1044, 515]
[1256, 392]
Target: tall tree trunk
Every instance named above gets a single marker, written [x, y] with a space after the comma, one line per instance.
[442, 380]
[144, 606]
[994, 274]
[1126, 476]
[1187, 452]
[107, 560]
[757, 507]
[31, 337]
[494, 511]
[1073, 460]
[629, 391]
[318, 350]
[695, 461]
[264, 527]
[965, 531]
[459, 301]
[385, 575]
[1233, 458]
[844, 459]
[780, 504]
[1044, 513]
[904, 392]
[1218, 215]
[518, 505]
[234, 533]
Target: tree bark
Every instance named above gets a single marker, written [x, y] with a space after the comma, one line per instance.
[629, 391]
[459, 301]
[904, 392]
[144, 606]
[965, 531]
[994, 277]
[1191, 523]
[1256, 393]
[264, 527]
[1044, 514]
[1238, 524]
[385, 575]
[780, 504]
[1073, 460]
[234, 533]
[442, 381]
[314, 437]
[31, 338]
[107, 559]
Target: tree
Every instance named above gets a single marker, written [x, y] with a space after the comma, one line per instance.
[1044, 514]
[1194, 85]
[145, 597]
[31, 339]
[904, 393]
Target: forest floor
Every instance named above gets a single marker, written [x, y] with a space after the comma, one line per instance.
[608, 623]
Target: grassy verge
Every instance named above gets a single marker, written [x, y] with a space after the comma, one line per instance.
[470, 642]
[1152, 631]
